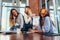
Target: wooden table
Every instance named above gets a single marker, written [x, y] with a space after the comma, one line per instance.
[29, 36]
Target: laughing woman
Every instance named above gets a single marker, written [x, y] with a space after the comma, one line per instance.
[46, 24]
[27, 19]
[15, 20]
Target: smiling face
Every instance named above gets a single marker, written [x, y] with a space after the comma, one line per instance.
[43, 12]
[14, 12]
[26, 10]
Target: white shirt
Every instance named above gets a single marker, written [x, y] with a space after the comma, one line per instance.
[27, 19]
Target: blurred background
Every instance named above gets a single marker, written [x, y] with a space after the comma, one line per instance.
[53, 6]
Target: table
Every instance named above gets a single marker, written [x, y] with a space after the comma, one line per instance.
[29, 36]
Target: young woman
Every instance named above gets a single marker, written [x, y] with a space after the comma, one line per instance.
[27, 19]
[15, 20]
[46, 24]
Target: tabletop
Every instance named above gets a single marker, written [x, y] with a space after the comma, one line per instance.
[27, 36]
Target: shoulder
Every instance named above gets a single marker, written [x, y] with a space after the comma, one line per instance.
[47, 17]
[20, 14]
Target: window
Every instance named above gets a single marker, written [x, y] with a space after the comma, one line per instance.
[0, 12]
[7, 5]
[54, 7]
[5, 16]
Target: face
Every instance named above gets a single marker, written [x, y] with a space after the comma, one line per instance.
[14, 12]
[43, 12]
[26, 10]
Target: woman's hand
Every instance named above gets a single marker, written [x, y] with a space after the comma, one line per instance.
[39, 31]
[31, 30]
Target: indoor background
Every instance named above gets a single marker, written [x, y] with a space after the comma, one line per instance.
[53, 6]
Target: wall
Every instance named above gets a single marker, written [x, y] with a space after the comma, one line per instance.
[35, 6]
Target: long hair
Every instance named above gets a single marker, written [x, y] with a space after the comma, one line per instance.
[47, 14]
[11, 14]
[11, 21]
[29, 12]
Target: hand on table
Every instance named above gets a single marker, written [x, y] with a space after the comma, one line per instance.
[31, 30]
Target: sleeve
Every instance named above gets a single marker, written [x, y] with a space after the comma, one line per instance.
[20, 20]
[46, 27]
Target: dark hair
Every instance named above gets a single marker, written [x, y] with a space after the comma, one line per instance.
[44, 16]
[11, 14]
[27, 7]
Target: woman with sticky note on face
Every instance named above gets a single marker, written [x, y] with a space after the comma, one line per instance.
[45, 25]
